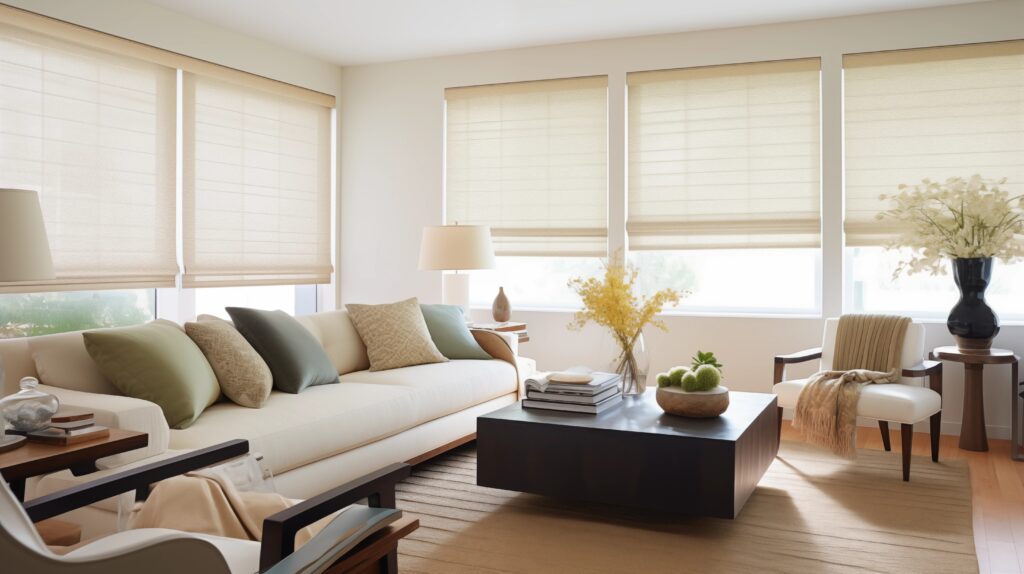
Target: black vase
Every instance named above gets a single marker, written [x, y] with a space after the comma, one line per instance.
[971, 321]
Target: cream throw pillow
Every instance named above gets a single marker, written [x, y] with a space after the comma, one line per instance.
[242, 374]
[395, 334]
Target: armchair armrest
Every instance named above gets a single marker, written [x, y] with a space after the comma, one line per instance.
[116, 411]
[138, 479]
[279, 530]
[923, 369]
[798, 357]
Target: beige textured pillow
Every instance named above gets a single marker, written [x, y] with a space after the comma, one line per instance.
[395, 334]
[242, 374]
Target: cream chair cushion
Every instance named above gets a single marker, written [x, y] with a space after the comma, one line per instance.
[892, 402]
[242, 556]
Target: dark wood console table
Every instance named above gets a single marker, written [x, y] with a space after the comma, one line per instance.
[973, 435]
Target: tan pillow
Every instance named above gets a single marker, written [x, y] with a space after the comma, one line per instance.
[241, 373]
[395, 334]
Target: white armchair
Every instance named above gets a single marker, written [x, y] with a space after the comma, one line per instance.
[917, 396]
[159, 551]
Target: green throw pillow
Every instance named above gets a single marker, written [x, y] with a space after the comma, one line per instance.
[295, 357]
[449, 332]
[156, 362]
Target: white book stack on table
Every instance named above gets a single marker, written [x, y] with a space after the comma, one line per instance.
[576, 390]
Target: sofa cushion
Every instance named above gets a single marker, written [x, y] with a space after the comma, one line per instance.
[156, 362]
[447, 327]
[444, 388]
[293, 354]
[63, 361]
[292, 430]
[395, 334]
[295, 430]
[889, 402]
[242, 374]
[339, 338]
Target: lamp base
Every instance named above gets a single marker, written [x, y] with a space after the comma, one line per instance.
[456, 291]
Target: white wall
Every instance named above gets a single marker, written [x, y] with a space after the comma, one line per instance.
[392, 170]
[157, 26]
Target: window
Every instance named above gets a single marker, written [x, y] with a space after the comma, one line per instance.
[31, 314]
[257, 186]
[531, 161]
[724, 185]
[93, 133]
[926, 113]
[533, 282]
[783, 281]
[212, 301]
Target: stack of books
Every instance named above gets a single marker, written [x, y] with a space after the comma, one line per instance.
[70, 428]
[549, 391]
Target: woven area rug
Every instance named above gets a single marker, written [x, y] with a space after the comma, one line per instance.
[812, 512]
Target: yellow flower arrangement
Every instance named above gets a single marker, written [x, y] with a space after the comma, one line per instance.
[611, 302]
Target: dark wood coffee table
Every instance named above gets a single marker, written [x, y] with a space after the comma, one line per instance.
[633, 455]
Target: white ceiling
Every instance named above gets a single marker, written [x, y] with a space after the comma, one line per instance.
[349, 32]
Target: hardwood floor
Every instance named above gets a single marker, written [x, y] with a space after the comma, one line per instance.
[998, 485]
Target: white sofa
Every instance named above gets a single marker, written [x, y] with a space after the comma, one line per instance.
[312, 441]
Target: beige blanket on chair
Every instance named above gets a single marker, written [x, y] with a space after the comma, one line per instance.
[867, 350]
[207, 504]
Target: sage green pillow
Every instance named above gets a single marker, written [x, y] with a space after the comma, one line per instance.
[159, 363]
[295, 357]
[449, 332]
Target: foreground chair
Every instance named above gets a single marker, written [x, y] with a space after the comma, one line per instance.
[907, 402]
[341, 546]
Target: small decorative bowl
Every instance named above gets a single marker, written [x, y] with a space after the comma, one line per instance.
[702, 404]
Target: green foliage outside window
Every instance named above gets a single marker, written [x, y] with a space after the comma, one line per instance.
[30, 314]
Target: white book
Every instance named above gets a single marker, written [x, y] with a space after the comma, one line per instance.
[600, 382]
[573, 408]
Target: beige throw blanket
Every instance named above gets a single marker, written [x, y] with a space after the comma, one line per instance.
[867, 350]
[207, 504]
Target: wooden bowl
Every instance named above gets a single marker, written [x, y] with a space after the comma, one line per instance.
[703, 404]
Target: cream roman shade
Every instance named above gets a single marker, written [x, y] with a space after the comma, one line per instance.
[256, 206]
[93, 132]
[531, 161]
[725, 157]
[929, 113]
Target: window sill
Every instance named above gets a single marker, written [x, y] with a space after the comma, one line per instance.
[677, 313]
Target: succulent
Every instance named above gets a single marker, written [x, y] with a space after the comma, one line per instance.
[689, 381]
[676, 375]
[664, 380]
[702, 358]
[705, 378]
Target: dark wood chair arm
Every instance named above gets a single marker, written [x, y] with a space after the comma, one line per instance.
[798, 357]
[138, 479]
[279, 530]
[924, 369]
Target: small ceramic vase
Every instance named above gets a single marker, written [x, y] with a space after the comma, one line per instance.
[501, 310]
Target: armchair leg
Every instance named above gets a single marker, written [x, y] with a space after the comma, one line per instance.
[936, 423]
[908, 443]
[884, 427]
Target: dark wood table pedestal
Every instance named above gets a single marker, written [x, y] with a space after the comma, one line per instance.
[973, 435]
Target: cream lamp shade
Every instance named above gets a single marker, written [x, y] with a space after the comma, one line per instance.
[456, 248]
[24, 248]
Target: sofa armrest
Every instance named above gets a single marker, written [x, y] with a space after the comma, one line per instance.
[117, 411]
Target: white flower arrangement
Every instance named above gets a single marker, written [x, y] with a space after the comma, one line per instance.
[956, 219]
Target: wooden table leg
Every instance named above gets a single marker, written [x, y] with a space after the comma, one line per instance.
[972, 430]
[1017, 401]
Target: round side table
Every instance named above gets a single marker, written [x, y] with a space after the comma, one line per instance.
[972, 429]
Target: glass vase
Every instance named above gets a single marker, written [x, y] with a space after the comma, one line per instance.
[633, 364]
[29, 409]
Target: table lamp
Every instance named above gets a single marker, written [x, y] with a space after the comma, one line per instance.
[24, 255]
[456, 248]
